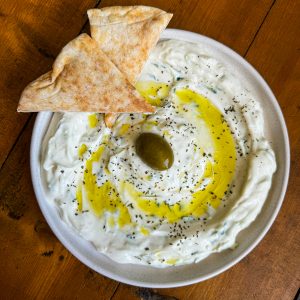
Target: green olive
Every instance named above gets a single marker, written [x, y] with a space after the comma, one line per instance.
[154, 151]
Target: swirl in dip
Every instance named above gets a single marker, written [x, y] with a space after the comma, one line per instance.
[218, 182]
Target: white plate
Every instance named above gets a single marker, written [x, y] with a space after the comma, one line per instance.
[215, 264]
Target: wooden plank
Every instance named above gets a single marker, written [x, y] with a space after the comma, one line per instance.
[32, 34]
[271, 271]
[34, 263]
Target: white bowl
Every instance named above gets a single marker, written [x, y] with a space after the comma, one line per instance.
[148, 276]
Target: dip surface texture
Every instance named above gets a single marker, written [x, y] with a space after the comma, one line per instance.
[220, 175]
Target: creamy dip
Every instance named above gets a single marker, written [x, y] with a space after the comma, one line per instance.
[216, 186]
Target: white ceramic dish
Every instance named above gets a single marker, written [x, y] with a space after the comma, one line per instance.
[215, 264]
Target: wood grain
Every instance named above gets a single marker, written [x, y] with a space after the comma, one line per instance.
[28, 267]
[32, 34]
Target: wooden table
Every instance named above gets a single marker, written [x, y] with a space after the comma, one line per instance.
[33, 263]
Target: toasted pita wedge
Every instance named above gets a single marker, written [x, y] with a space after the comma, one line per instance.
[83, 78]
[127, 34]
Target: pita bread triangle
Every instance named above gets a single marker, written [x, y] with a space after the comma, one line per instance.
[127, 34]
[83, 78]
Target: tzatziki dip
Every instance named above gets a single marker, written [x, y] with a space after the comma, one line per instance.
[172, 187]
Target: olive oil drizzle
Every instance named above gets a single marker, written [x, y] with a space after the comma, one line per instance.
[219, 170]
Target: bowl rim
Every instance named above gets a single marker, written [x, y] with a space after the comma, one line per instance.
[34, 157]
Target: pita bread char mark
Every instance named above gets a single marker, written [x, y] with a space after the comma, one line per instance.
[127, 34]
[83, 78]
